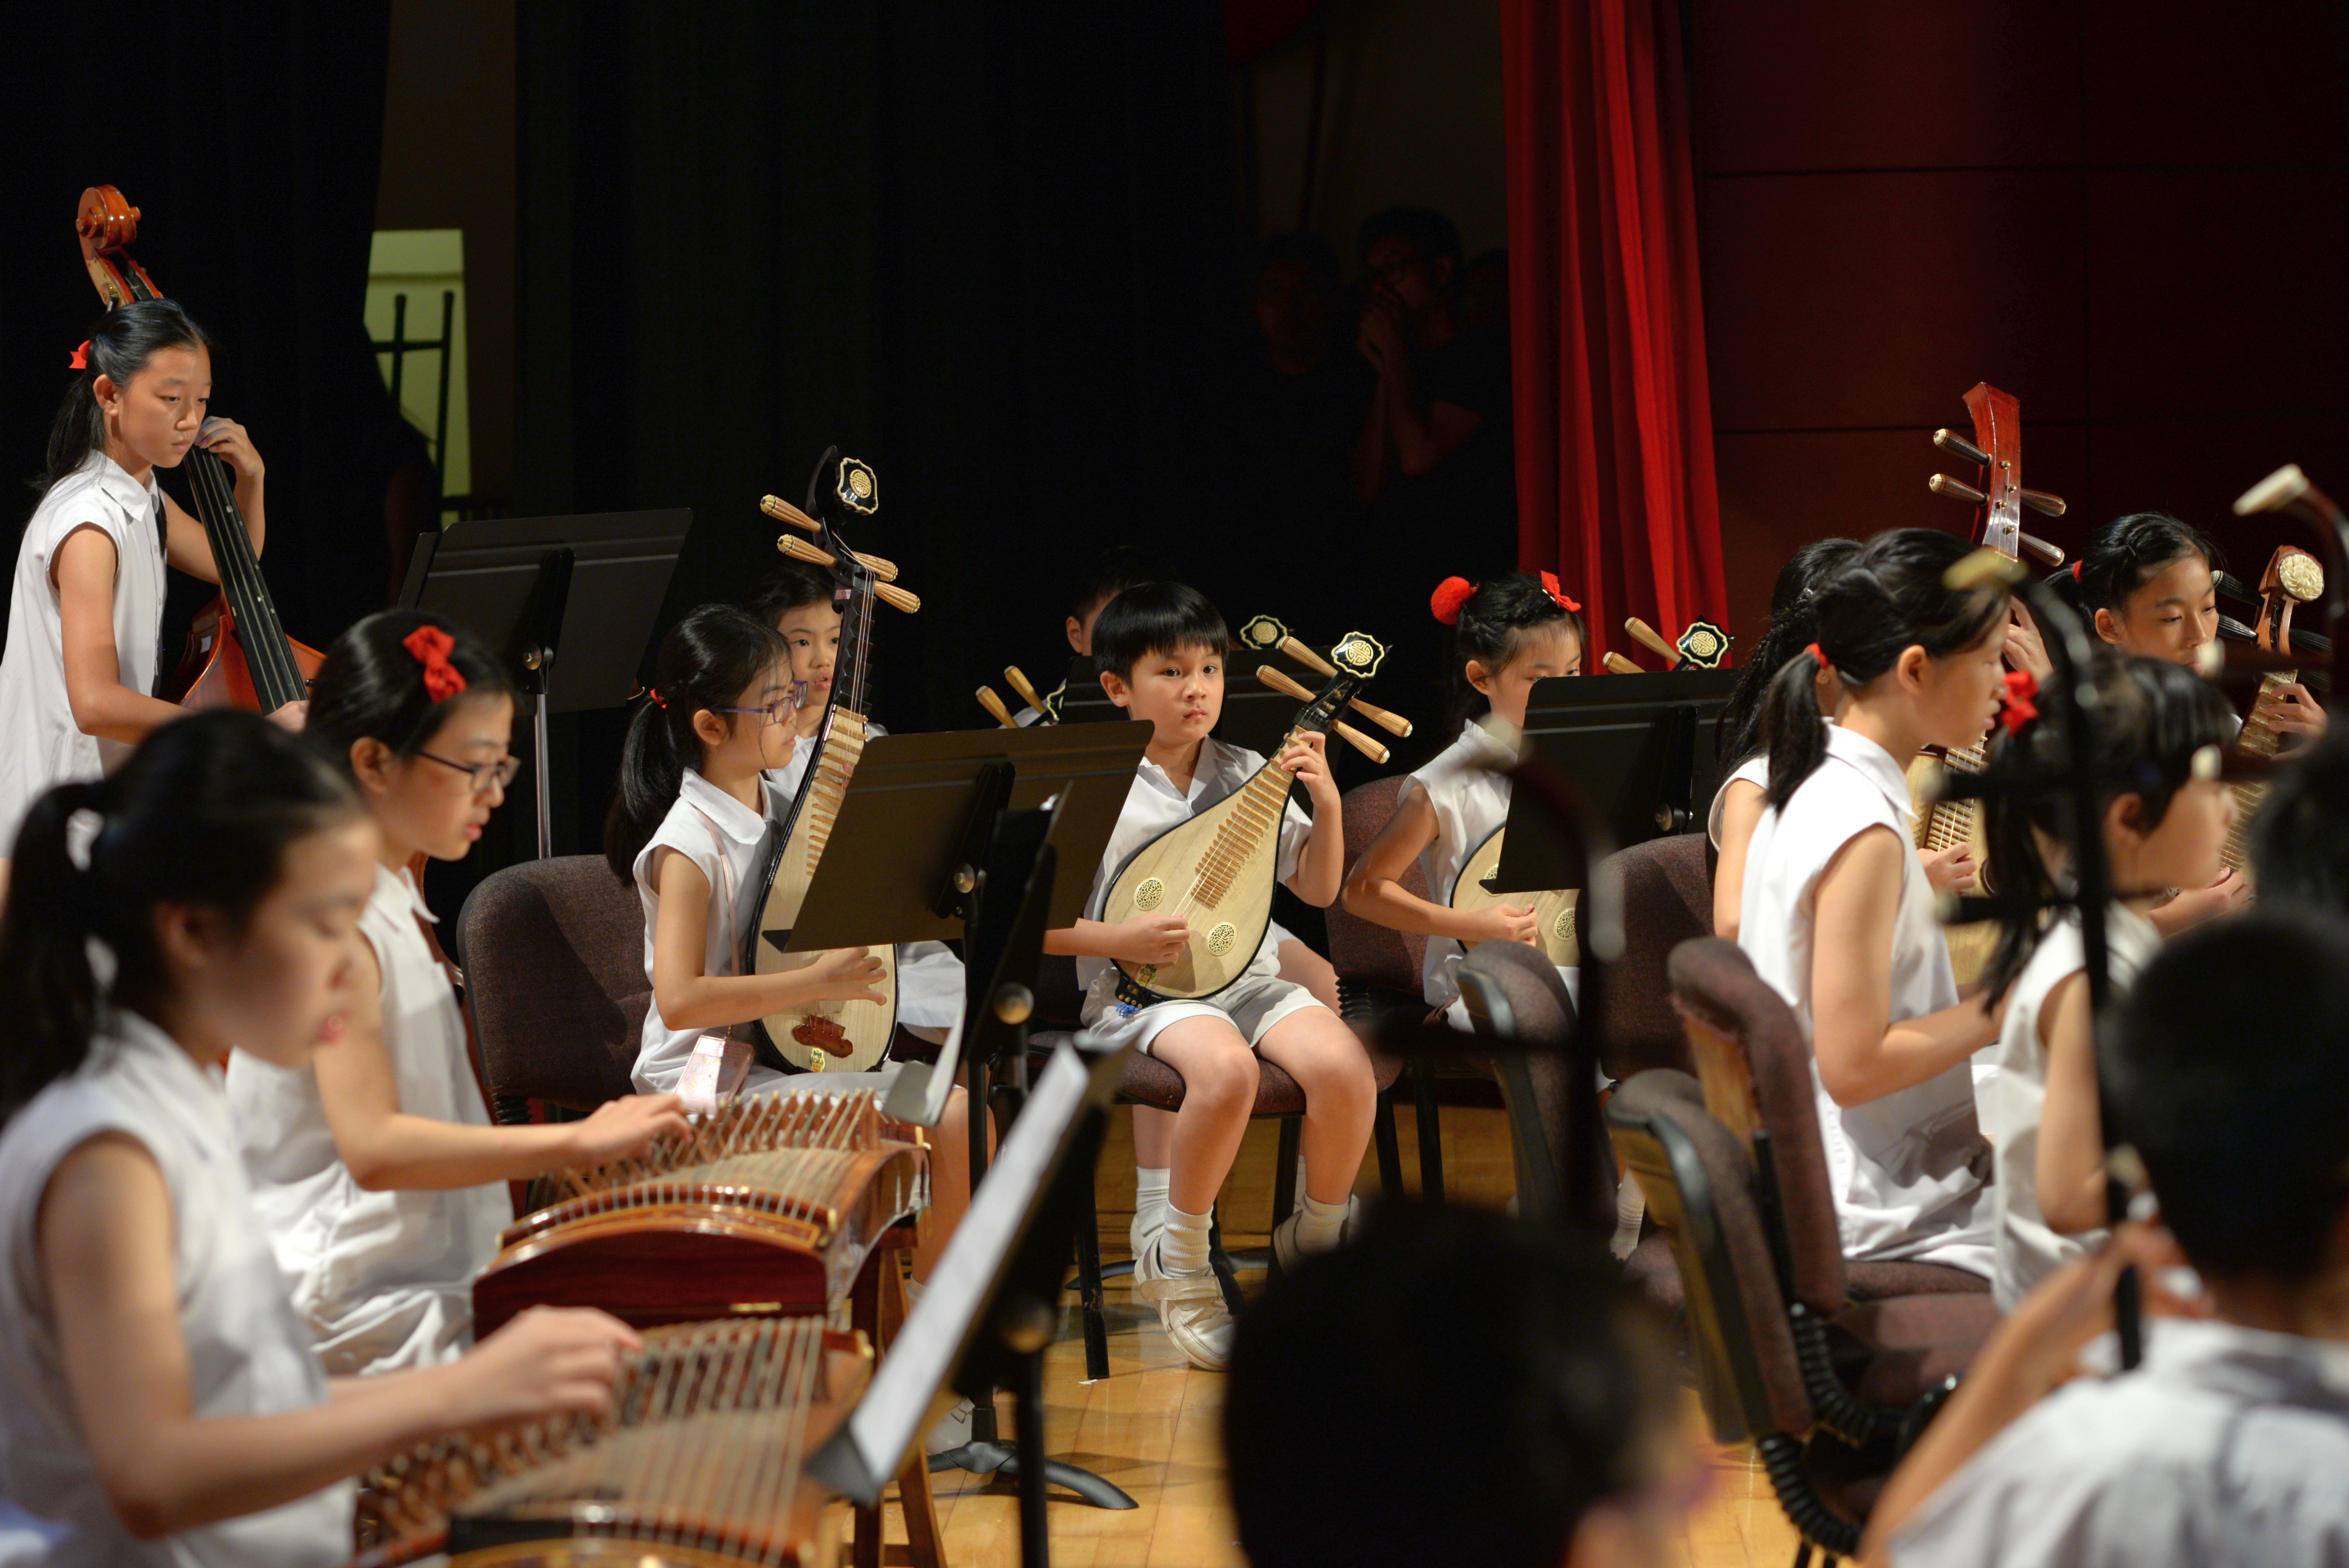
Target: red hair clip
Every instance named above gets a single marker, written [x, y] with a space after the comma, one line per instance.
[2018, 709]
[1449, 596]
[1549, 585]
[80, 360]
[431, 646]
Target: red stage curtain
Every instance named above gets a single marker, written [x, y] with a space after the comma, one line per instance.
[1613, 418]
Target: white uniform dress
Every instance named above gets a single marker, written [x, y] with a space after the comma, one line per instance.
[1754, 770]
[1908, 1169]
[1259, 998]
[1471, 804]
[384, 1279]
[248, 1353]
[2028, 1250]
[2227, 1446]
[40, 745]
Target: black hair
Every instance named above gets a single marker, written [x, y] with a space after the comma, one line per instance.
[371, 686]
[121, 345]
[200, 814]
[2152, 717]
[794, 585]
[705, 662]
[1309, 251]
[2242, 1122]
[1430, 235]
[2125, 555]
[1155, 618]
[1794, 626]
[1115, 570]
[1888, 598]
[2299, 837]
[1494, 622]
[1354, 1369]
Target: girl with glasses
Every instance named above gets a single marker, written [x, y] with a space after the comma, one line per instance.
[375, 1162]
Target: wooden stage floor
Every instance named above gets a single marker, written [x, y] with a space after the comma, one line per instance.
[1152, 1426]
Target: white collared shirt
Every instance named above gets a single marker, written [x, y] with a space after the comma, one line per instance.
[2016, 1097]
[248, 1354]
[1903, 1167]
[2227, 1446]
[1470, 802]
[384, 1279]
[1153, 807]
[40, 745]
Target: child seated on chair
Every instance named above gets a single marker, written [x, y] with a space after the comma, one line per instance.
[1456, 1387]
[2230, 1443]
[1162, 649]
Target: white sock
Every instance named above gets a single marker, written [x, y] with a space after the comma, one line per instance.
[1150, 1184]
[1319, 1224]
[1183, 1246]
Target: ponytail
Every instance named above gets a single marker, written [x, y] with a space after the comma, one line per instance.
[201, 815]
[706, 661]
[1794, 621]
[1888, 598]
[373, 685]
[2152, 717]
[120, 345]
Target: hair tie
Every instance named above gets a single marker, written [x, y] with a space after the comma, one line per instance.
[1819, 654]
[80, 360]
[1549, 586]
[2018, 709]
[82, 829]
[2075, 571]
[1449, 596]
[431, 645]
[659, 701]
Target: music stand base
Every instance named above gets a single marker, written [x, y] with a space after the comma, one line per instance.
[984, 1458]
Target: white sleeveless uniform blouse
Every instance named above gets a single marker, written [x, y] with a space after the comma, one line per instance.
[1904, 1168]
[40, 745]
[248, 1353]
[384, 1280]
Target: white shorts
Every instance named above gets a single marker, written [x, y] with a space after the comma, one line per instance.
[1251, 1004]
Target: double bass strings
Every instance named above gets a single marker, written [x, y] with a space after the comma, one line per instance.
[275, 676]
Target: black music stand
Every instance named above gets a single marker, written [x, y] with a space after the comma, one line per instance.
[1640, 751]
[522, 583]
[922, 830]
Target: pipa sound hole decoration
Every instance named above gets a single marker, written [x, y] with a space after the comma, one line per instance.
[1564, 929]
[1263, 632]
[1149, 895]
[1220, 940]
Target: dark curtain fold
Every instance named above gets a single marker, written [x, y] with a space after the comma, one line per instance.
[250, 135]
[1614, 423]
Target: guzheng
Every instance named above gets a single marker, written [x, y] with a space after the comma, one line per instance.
[699, 1464]
[770, 1205]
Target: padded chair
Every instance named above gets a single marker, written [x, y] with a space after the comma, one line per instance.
[1514, 993]
[1826, 1441]
[554, 975]
[1667, 891]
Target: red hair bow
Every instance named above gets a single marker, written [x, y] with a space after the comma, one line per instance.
[431, 646]
[1449, 596]
[80, 360]
[1549, 585]
[2018, 709]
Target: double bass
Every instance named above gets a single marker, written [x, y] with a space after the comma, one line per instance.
[238, 654]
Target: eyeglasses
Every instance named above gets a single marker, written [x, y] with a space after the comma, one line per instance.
[486, 776]
[776, 711]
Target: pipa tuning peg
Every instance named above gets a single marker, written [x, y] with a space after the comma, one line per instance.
[1019, 683]
[2043, 503]
[1263, 632]
[1956, 489]
[994, 705]
[896, 598]
[1957, 446]
[857, 488]
[782, 510]
[1620, 665]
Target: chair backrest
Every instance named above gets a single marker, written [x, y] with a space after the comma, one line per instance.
[1700, 1186]
[1059, 1000]
[1514, 993]
[1371, 958]
[1667, 891]
[1756, 1069]
[554, 974]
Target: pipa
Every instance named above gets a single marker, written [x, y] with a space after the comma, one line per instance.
[2294, 578]
[1473, 892]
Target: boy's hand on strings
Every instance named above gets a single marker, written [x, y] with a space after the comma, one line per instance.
[226, 440]
[2026, 649]
[847, 974]
[1153, 939]
[1506, 923]
[2291, 709]
[624, 1127]
[550, 1361]
[1305, 757]
[1953, 869]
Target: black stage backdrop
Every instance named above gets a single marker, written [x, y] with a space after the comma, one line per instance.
[249, 134]
[992, 248]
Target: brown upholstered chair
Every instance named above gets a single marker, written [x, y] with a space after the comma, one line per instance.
[1514, 993]
[554, 974]
[1756, 1067]
[1667, 890]
[1828, 1434]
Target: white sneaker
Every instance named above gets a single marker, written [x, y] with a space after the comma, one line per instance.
[1190, 1308]
[1284, 1250]
[951, 1431]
